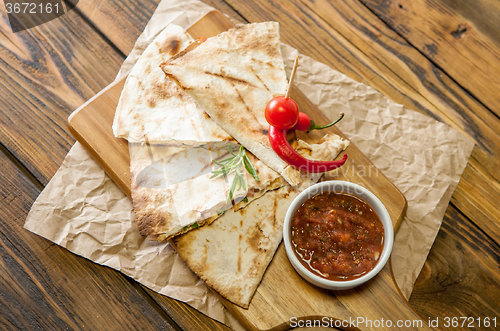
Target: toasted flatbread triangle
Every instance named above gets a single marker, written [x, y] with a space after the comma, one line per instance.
[232, 77]
[232, 253]
[152, 108]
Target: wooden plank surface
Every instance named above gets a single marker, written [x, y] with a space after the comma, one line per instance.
[462, 257]
[43, 286]
[460, 36]
[47, 72]
[122, 33]
[91, 124]
[28, 91]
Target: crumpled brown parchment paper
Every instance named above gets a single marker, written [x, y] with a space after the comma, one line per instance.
[83, 210]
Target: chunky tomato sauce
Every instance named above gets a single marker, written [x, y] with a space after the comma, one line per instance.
[337, 236]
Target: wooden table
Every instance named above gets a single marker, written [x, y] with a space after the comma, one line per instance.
[438, 57]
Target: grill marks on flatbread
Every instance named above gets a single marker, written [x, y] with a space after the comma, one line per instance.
[232, 253]
[152, 107]
[232, 77]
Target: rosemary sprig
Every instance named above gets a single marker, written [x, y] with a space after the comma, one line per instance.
[231, 164]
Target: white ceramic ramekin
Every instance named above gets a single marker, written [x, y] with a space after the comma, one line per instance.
[339, 187]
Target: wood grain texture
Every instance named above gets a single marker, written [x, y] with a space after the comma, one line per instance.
[226, 9]
[186, 317]
[43, 286]
[477, 198]
[133, 16]
[91, 125]
[120, 21]
[47, 72]
[462, 258]
[460, 36]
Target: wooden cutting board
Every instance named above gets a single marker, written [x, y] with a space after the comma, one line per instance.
[282, 295]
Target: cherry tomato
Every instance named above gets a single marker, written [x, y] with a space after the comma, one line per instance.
[282, 113]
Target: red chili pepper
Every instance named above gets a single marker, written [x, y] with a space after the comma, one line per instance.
[282, 147]
[305, 123]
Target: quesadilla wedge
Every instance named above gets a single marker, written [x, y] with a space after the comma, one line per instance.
[233, 76]
[173, 192]
[152, 108]
[232, 253]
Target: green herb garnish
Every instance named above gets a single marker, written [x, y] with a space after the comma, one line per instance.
[192, 226]
[221, 211]
[231, 164]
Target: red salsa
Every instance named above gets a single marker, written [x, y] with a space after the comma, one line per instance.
[337, 236]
